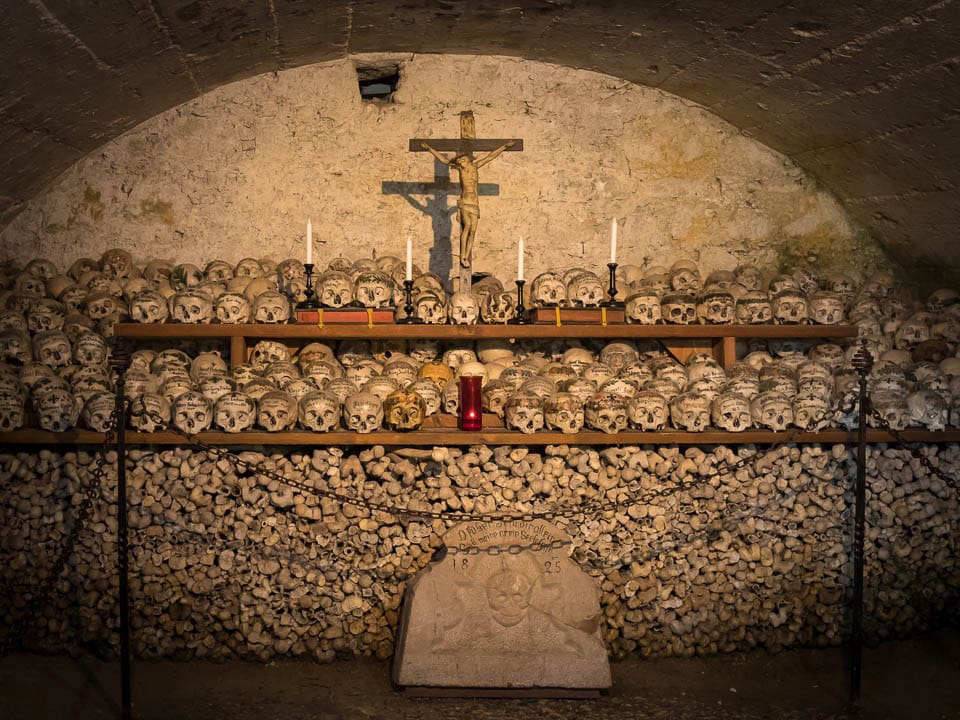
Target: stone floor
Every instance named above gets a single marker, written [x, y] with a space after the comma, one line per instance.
[917, 679]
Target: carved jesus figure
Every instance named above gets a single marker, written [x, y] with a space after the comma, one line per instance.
[468, 205]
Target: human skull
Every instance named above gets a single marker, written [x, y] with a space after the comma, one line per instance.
[826, 308]
[335, 289]
[772, 410]
[690, 411]
[361, 371]
[829, 354]
[585, 289]
[564, 412]
[648, 410]
[790, 307]
[455, 357]
[437, 372]
[281, 373]
[117, 264]
[379, 386]
[749, 276]
[363, 412]
[464, 308]
[100, 304]
[149, 306]
[191, 306]
[678, 308]
[207, 365]
[524, 412]
[811, 412]
[271, 307]
[319, 411]
[891, 408]
[52, 348]
[57, 410]
[430, 394]
[431, 309]
[191, 412]
[15, 346]
[267, 352]
[498, 307]
[450, 397]
[753, 308]
[341, 388]
[494, 396]
[373, 288]
[248, 267]
[233, 308]
[276, 411]
[185, 275]
[97, 413]
[911, 333]
[618, 355]
[928, 409]
[90, 349]
[401, 370]
[424, 350]
[731, 412]
[12, 411]
[149, 412]
[643, 308]
[716, 307]
[45, 314]
[606, 412]
[548, 290]
[404, 410]
[213, 388]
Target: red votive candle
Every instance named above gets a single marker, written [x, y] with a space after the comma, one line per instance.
[471, 407]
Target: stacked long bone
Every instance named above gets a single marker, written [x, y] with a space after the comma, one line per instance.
[54, 352]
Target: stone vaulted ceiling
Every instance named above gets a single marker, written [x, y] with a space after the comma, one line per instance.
[865, 95]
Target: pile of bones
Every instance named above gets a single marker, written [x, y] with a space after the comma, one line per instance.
[54, 348]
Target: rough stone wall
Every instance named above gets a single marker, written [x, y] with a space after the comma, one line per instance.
[227, 561]
[237, 171]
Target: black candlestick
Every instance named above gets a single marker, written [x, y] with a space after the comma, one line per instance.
[612, 291]
[409, 318]
[309, 301]
[521, 316]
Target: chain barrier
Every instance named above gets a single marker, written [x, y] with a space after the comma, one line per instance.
[91, 494]
[912, 448]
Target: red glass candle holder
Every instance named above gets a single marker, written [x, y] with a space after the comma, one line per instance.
[471, 406]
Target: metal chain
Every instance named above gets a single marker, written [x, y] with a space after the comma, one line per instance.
[92, 492]
[909, 446]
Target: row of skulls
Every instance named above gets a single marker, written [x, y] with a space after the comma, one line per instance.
[530, 385]
[101, 292]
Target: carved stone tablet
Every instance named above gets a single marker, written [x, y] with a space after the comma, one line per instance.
[503, 607]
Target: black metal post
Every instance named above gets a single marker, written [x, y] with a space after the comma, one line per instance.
[119, 362]
[409, 318]
[521, 317]
[862, 361]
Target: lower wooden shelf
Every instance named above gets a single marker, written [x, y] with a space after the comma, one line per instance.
[452, 436]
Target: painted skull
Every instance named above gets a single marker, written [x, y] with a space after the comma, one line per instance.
[618, 355]
[548, 290]
[341, 388]
[564, 412]
[335, 289]
[149, 306]
[191, 306]
[826, 308]
[585, 289]
[45, 314]
[643, 308]
[439, 373]
[678, 308]
[404, 410]
[12, 411]
[98, 410]
[690, 411]
[52, 348]
[910, 333]
[214, 388]
[648, 410]
[150, 412]
[811, 412]
[430, 394]
[495, 395]
[928, 409]
[772, 410]
[56, 410]
[319, 411]
[363, 412]
[185, 275]
[790, 307]
[207, 365]
[373, 288]
[431, 309]
[271, 307]
[498, 307]
[716, 307]
[312, 352]
[233, 308]
[90, 349]
[117, 263]
[276, 411]
[100, 304]
[731, 412]
[450, 397]
[606, 412]
[753, 308]
[191, 412]
[464, 308]
[267, 352]
[524, 412]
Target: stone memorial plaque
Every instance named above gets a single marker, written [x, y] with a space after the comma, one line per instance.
[503, 607]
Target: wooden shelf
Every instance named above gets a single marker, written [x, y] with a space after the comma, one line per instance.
[493, 436]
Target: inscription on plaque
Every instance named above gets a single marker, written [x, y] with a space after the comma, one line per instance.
[504, 607]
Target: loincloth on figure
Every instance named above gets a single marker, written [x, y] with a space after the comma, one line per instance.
[469, 207]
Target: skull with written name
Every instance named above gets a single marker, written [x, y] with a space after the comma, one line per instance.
[319, 411]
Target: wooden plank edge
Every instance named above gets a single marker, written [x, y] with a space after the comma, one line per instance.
[536, 693]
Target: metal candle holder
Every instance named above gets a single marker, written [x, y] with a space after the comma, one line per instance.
[612, 290]
[521, 317]
[410, 318]
[309, 301]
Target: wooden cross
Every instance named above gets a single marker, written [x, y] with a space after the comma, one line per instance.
[467, 166]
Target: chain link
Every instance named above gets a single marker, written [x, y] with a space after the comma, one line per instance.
[912, 448]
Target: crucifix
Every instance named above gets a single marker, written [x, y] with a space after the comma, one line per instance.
[467, 166]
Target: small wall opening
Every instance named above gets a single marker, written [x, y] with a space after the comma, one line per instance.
[378, 82]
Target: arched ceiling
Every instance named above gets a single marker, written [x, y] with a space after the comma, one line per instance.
[864, 95]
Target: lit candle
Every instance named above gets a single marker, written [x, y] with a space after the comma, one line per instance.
[309, 242]
[409, 259]
[613, 241]
[520, 260]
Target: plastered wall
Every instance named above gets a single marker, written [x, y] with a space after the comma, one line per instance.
[237, 171]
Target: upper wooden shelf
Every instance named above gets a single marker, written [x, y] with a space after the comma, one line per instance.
[477, 332]
[493, 436]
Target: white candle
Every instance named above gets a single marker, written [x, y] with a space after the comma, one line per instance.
[520, 260]
[613, 241]
[409, 259]
[309, 242]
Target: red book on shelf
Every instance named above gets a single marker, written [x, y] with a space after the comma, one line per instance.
[578, 316]
[345, 316]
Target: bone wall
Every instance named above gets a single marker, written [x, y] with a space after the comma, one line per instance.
[237, 171]
[226, 561]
